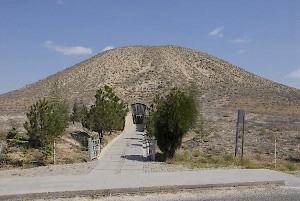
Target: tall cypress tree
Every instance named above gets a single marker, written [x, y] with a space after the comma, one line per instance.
[171, 117]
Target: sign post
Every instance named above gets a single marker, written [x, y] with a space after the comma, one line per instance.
[275, 152]
[93, 148]
[153, 147]
[240, 119]
[236, 138]
[191, 150]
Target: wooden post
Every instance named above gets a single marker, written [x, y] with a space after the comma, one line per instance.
[1, 146]
[236, 138]
[240, 119]
[144, 149]
[154, 149]
[90, 149]
[243, 138]
[148, 148]
[191, 150]
[54, 153]
[99, 149]
[275, 152]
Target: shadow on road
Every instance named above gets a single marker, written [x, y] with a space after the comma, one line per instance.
[135, 158]
[133, 138]
[136, 145]
[140, 127]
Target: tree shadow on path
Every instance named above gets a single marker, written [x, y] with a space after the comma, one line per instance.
[135, 158]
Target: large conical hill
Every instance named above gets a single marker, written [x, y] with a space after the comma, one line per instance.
[137, 73]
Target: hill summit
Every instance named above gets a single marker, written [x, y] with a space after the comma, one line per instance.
[137, 73]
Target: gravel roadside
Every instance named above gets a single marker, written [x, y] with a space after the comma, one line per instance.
[87, 167]
[271, 193]
[81, 169]
[51, 170]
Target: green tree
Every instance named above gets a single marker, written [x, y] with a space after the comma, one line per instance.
[198, 125]
[86, 119]
[13, 137]
[78, 111]
[107, 114]
[170, 118]
[46, 122]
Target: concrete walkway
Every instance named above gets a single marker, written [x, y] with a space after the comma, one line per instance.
[121, 170]
[124, 154]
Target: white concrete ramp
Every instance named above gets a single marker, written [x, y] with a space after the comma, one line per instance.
[123, 154]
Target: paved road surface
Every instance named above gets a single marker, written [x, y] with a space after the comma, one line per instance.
[121, 169]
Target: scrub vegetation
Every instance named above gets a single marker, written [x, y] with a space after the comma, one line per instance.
[53, 130]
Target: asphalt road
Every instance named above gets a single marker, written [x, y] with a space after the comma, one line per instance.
[281, 193]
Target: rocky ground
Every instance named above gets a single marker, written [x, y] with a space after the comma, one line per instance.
[85, 168]
[81, 169]
[51, 170]
[274, 193]
[261, 130]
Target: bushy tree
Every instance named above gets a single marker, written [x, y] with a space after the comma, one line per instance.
[46, 122]
[13, 137]
[170, 118]
[78, 111]
[107, 114]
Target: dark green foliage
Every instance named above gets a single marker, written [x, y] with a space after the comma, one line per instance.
[82, 138]
[77, 112]
[12, 133]
[46, 122]
[13, 137]
[197, 122]
[170, 118]
[87, 120]
[107, 114]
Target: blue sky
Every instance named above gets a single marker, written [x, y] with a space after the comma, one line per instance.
[39, 38]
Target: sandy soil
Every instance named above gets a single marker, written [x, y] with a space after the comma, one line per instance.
[67, 169]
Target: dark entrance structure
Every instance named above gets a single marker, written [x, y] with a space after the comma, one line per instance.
[138, 112]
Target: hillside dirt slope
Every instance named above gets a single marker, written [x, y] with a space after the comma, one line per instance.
[137, 73]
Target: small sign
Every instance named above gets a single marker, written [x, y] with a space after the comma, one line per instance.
[240, 119]
[241, 116]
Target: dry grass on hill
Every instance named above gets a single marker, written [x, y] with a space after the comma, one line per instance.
[138, 73]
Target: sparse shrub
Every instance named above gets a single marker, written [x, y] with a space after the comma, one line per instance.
[13, 137]
[265, 132]
[228, 158]
[196, 153]
[30, 158]
[291, 166]
[179, 157]
[46, 151]
[69, 161]
[258, 157]
[246, 163]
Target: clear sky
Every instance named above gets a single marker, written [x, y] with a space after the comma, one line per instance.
[41, 37]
